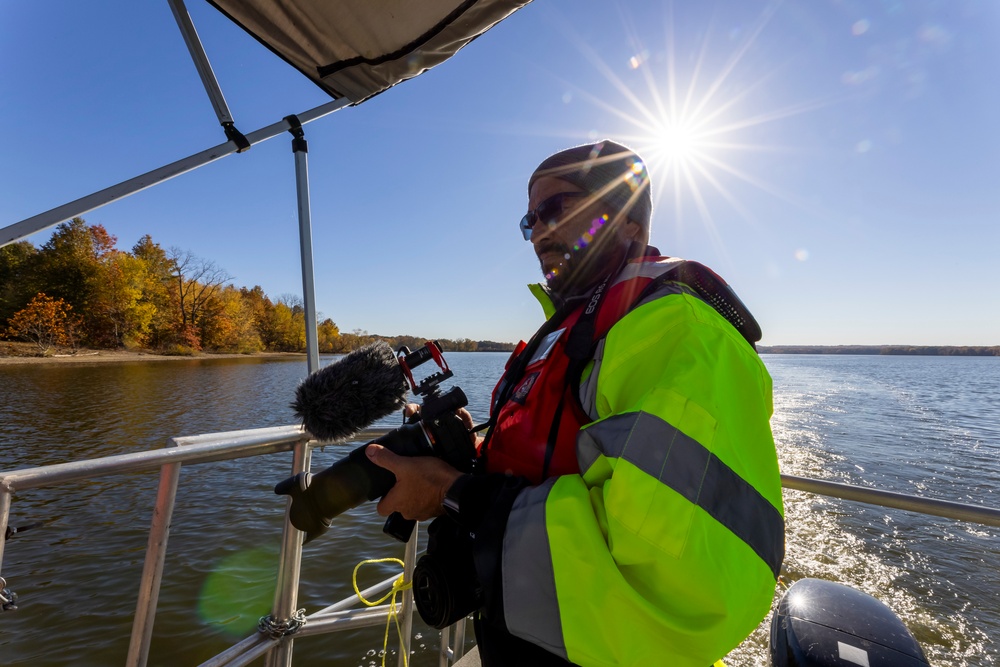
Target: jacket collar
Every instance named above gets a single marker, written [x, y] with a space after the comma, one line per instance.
[646, 264]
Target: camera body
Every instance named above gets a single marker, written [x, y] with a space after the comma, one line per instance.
[446, 587]
[435, 431]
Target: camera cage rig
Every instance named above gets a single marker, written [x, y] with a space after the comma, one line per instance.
[435, 403]
[410, 360]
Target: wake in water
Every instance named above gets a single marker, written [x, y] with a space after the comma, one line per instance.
[932, 572]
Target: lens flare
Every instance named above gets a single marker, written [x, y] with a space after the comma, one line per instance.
[238, 591]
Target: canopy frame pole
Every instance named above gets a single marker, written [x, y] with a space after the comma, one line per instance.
[208, 78]
[289, 571]
[53, 217]
[300, 149]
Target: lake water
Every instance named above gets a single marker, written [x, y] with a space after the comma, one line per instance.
[921, 425]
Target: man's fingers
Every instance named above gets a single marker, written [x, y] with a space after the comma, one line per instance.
[381, 457]
[466, 418]
[383, 507]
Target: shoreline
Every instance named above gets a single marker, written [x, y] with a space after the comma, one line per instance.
[125, 356]
[91, 356]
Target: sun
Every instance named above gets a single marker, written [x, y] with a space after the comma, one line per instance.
[692, 121]
[677, 141]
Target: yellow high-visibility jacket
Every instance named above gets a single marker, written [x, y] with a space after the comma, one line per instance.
[665, 548]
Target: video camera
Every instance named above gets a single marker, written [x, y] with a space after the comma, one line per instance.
[435, 430]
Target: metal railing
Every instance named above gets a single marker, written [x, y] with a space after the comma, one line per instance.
[215, 447]
[944, 508]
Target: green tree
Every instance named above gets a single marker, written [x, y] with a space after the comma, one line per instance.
[69, 263]
[18, 281]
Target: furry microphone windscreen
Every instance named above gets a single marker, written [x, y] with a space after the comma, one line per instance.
[352, 393]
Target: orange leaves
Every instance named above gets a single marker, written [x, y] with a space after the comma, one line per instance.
[45, 321]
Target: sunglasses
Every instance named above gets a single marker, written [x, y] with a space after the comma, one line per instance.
[546, 212]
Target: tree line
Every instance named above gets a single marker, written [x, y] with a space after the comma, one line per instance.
[80, 290]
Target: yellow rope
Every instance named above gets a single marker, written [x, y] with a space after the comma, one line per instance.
[397, 586]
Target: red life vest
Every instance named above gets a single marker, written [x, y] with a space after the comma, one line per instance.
[542, 416]
[534, 431]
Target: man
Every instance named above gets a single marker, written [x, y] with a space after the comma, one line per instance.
[630, 510]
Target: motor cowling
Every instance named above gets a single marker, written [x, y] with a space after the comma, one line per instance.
[822, 623]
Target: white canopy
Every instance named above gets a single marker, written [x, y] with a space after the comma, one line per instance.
[358, 48]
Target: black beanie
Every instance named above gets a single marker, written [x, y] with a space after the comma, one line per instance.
[608, 170]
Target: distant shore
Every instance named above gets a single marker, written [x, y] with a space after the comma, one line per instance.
[22, 353]
[86, 356]
[112, 356]
[912, 350]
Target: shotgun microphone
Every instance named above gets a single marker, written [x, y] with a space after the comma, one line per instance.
[349, 395]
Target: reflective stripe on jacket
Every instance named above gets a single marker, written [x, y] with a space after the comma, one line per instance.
[665, 548]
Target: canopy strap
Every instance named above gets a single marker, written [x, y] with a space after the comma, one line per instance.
[299, 144]
[237, 137]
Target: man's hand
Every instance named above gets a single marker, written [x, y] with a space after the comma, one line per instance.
[421, 482]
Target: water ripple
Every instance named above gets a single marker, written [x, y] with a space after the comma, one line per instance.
[929, 426]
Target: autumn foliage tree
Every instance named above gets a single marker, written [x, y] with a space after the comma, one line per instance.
[157, 296]
[328, 336]
[229, 323]
[79, 288]
[68, 266]
[287, 325]
[117, 311]
[46, 322]
[196, 282]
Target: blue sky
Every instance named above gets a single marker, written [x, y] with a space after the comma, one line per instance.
[836, 161]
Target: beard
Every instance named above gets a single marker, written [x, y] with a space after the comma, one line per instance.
[579, 269]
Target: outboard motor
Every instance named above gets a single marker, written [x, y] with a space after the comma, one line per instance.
[825, 624]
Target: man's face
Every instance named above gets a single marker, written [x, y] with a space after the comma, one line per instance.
[582, 244]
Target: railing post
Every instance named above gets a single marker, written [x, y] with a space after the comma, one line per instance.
[286, 594]
[152, 569]
[4, 518]
[406, 627]
[452, 648]
[459, 642]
